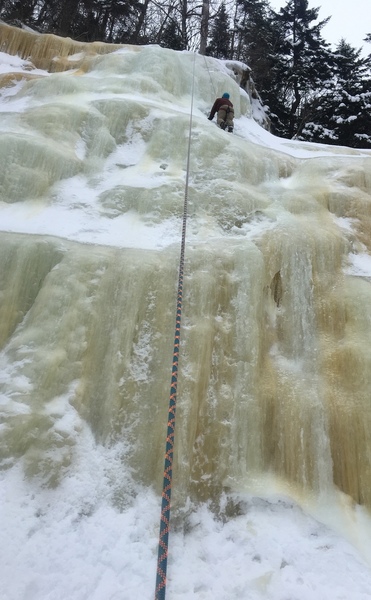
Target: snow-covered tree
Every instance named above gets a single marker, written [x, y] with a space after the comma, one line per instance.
[301, 63]
[342, 115]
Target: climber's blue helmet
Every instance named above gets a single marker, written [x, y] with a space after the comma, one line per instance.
[225, 95]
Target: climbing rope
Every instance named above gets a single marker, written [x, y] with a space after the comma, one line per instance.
[168, 466]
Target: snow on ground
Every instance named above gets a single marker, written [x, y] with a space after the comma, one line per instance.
[360, 265]
[72, 543]
[253, 132]
[15, 64]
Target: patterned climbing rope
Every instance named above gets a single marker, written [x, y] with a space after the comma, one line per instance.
[163, 545]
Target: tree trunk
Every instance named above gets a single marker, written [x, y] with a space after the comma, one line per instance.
[204, 25]
[140, 22]
[184, 12]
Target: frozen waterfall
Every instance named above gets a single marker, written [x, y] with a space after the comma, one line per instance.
[275, 364]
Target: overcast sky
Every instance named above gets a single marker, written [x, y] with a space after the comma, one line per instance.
[350, 19]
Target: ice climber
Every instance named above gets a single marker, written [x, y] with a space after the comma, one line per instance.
[225, 112]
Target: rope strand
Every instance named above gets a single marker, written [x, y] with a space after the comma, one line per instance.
[163, 545]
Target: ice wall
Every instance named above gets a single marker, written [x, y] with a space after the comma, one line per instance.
[275, 373]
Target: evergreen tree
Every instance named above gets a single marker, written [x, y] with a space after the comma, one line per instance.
[256, 39]
[301, 64]
[85, 20]
[18, 12]
[343, 116]
[171, 36]
[220, 40]
[252, 25]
